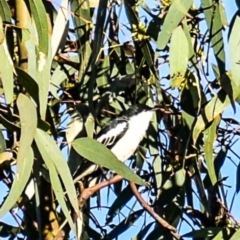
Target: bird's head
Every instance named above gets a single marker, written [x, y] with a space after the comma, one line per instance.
[140, 109]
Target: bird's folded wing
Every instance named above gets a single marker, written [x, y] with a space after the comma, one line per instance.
[112, 132]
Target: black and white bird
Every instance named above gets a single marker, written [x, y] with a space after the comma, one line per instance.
[123, 134]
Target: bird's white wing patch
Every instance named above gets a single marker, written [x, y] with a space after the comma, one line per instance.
[110, 136]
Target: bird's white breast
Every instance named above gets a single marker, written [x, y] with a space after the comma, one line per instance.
[128, 144]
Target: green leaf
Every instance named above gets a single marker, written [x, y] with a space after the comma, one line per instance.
[51, 153]
[214, 23]
[25, 156]
[24, 168]
[234, 49]
[2, 143]
[5, 12]
[28, 82]
[39, 15]
[210, 135]
[176, 13]
[179, 52]
[60, 25]
[236, 235]
[43, 76]
[58, 190]
[99, 154]
[28, 125]
[214, 107]
[7, 71]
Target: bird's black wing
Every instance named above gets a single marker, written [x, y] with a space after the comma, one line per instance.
[112, 132]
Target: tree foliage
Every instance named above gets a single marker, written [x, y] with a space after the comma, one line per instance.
[67, 68]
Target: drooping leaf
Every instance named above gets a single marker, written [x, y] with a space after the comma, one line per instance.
[39, 15]
[179, 52]
[213, 18]
[210, 135]
[59, 191]
[7, 71]
[51, 153]
[99, 154]
[28, 82]
[60, 26]
[24, 168]
[175, 14]
[234, 50]
[5, 12]
[26, 108]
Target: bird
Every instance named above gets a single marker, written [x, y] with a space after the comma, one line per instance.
[122, 135]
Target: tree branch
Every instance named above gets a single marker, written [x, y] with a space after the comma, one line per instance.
[160, 220]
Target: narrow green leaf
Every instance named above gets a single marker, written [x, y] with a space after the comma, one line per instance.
[223, 14]
[234, 49]
[26, 108]
[60, 25]
[179, 52]
[216, 106]
[58, 190]
[51, 153]
[99, 154]
[236, 235]
[175, 14]
[5, 12]
[43, 75]
[210, 135]
[7, 71]
[2, 143]
[23, 172]
[214, 23]
[39, 15]
[28, 82]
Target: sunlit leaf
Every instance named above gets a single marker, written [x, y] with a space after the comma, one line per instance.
[210, 136]
[24, 168]
[7, 71]
[99, 154]
[175, 14]
[60, 26]
[51, 153]
[178, 52]
[213, 18]
[39, 15]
